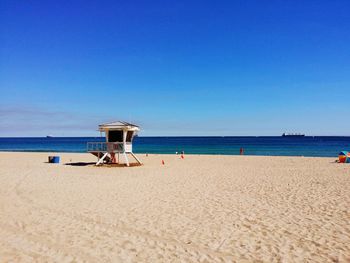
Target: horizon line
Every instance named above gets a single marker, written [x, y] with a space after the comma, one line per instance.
[156, 136]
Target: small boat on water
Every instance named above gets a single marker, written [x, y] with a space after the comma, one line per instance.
[49, 136]
[285, 134]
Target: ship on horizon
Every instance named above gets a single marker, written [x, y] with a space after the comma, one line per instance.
[286, 134]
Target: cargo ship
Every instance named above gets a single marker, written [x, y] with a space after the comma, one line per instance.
[285, 134]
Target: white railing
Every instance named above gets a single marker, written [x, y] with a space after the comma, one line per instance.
[111, 147]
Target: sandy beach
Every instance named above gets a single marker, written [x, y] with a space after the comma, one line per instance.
[197, 209]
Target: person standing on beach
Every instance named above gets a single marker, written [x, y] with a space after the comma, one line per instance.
[241, 151]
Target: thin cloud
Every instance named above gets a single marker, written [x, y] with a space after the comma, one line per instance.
[37, 120]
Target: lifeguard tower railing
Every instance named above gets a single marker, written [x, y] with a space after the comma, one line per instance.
[109, 147]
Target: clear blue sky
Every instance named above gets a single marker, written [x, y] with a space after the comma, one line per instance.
[175, 67]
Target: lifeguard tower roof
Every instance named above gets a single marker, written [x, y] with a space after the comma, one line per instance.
[118, 125]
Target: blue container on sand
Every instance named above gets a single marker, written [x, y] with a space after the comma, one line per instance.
[54, 159]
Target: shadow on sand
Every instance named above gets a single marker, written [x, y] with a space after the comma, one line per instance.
[81, 164]
[103, 165]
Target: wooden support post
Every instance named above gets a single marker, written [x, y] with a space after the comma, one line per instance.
[101, 160]
[136, 158]
[126, 159]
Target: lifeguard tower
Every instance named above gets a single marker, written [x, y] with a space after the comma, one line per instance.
[119, 136]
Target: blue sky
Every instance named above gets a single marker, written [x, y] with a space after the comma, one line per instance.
[175, 67]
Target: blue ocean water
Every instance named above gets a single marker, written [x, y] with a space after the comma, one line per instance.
[286, 146]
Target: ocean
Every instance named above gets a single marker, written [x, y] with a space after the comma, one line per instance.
[268, 146]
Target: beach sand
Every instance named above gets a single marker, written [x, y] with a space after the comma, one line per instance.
[197, 209]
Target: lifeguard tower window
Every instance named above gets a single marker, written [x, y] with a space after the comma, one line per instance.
[115, 136]
[129, 136]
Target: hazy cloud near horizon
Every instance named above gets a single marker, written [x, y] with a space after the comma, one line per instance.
[29, 121]
[35, 121]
